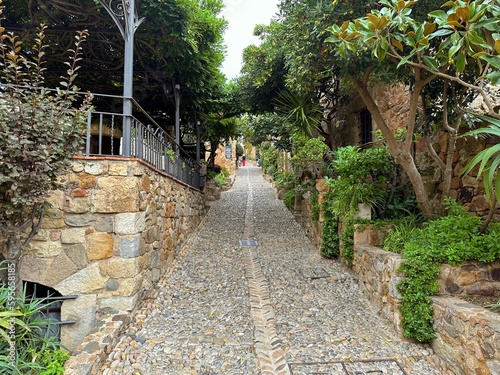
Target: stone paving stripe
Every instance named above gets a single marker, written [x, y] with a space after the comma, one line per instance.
[271, 357]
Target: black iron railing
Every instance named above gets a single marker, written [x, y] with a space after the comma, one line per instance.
[106, 135]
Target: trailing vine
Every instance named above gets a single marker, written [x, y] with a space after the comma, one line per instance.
[314, 206]
[452, 239]
[330, 244]
[347, 240]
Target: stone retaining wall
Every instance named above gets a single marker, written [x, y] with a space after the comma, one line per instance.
[108, 238]
[468, 336]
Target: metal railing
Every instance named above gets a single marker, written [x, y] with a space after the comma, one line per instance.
[147, 141]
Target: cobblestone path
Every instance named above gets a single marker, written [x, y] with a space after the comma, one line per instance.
[249, 294]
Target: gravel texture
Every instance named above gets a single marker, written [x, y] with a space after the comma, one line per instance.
[274, 308]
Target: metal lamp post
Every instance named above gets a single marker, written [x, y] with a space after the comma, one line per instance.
[177, 97]
[124, 13]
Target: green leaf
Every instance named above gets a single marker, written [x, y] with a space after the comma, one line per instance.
[494, 77]
[493, 60]
[405, 60]
[454, 49]
[431, 63]
[474, 38]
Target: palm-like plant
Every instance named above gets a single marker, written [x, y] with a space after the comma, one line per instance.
[489, 162]
[302, 112]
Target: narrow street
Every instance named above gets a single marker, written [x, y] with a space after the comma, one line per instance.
[249, 294]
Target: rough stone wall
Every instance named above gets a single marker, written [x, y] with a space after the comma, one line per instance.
[108, 238]
[468, 336]
[220, 158]
[303, 213]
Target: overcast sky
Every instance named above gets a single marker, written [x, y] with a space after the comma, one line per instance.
[242, 16]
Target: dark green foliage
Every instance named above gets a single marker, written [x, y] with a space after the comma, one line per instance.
[239, 150]
[36, 353]
[289, 199]
[360, 177]
[451, 239]
[402, 233]
[269, 158]
[285, 179]
[330, 246]
[347, 240]
[315, 208]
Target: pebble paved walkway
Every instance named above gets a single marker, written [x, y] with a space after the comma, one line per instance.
[249, 294]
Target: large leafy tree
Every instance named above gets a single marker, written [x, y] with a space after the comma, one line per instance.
[179, 42]
[456, 48]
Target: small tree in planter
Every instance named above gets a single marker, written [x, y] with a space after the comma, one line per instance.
[41, 132]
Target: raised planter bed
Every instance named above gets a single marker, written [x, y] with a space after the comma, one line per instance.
[468, 335]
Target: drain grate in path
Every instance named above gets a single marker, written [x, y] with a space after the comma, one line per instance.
[382, 366]
[248, 243]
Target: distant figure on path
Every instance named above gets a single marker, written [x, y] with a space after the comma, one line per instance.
[243, 160]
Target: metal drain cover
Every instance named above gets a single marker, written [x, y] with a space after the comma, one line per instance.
[386, 366]
[248, 243]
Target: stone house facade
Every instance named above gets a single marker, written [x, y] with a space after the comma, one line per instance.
[110, 235]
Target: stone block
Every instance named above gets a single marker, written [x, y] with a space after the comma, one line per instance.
[119, 303]
[112, 285]
[77, 205]
[53, 223]
[393, 290]
[116, 194]
[105, 224]
[79, 193]
[130, 223]
[483, 289]
[95, 169]
[46, 249]
[100, 246]
[42, 235]
[78, 255]
[80, 220]
[146, 183]
[130, 287]
[86, 181]
[46, 271]
[129, 246]
[73, 235]
[118, 169]
[83, 310]
[77, 166]
[87, 280]
[117, 268]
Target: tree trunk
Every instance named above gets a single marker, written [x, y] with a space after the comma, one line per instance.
[401, 152]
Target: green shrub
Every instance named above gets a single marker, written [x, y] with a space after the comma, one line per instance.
[224, 171]
[451, 239]
[311, 155]
[269, 158]
[53, 361]
[289, 199]
[220, 179]
[330, 241]
[360, 178]
[313, 199]
[402, 232]
[34, 349]
[285, 179]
